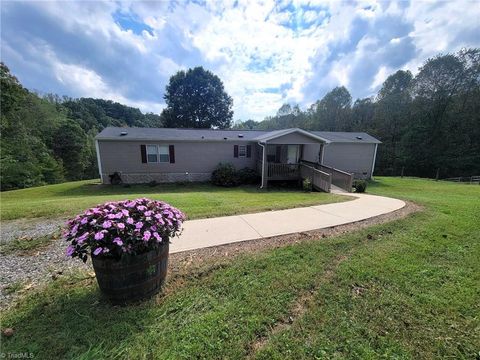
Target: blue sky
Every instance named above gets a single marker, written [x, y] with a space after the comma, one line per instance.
[266, 52]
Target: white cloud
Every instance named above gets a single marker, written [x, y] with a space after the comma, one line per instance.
[266, 53]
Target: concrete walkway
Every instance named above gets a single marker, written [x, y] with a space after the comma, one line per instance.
[204, 233]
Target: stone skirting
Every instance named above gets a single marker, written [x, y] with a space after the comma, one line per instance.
[144, 178]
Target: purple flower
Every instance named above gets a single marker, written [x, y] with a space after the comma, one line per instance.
[146, 220]
[70, 250]
[158, 237]
[130, 204]
[82, 238]
[74, 230]
[146, 235]
[107, 224]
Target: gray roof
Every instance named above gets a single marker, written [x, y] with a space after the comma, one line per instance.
[356, 137]
[168, 134]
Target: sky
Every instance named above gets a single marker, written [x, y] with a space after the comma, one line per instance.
[266, 52]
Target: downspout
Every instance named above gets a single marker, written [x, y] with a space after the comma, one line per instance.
[373, 163]
[323, 152]
[98, 160]
[263, 163]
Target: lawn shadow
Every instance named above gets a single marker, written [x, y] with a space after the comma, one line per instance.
[145, 189]
[63, 321]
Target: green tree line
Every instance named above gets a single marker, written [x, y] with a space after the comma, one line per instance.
[426, 123]
[50, 139]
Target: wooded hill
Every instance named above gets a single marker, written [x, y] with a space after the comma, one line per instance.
[49, 139]
[426, 122]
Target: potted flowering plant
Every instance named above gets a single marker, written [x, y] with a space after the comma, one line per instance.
[128, 242]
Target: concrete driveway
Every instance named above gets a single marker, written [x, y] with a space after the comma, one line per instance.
[204, 233]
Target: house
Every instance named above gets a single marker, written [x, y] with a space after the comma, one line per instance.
[141, 155]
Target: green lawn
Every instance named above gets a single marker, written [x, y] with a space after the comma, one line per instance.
[408, 289]
[196, 200]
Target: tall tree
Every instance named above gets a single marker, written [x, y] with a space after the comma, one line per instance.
[332, 113]
[196, 98]
[70, 145]
[391, 117]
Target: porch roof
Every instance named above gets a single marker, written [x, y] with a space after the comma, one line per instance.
[281, 133]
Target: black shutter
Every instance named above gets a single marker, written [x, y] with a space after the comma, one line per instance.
[143, 151]
[278, 154]
[249, 151]
[171, 150]
[235, 151]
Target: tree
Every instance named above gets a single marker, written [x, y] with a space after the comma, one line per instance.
[70, 145]
[391, 118]
[247, 125]
[196, 99]
[333, 111]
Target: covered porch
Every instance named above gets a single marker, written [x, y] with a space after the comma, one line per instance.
[295, 154]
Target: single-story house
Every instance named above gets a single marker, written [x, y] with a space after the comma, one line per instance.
[142, 155]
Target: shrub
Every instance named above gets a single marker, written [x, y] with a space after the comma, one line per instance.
[248, 176]
[307, 184]
[115, 228]
[225, 175]
[359, 186]
[115, 178]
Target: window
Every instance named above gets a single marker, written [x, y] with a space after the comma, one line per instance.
[163, 153]
[242, 150]
[158, 153]
[152, 156]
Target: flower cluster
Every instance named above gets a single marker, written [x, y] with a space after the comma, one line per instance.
[115, 228]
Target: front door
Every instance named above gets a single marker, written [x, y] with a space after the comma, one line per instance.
[293, 154]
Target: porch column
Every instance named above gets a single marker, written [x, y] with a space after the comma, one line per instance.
[264, 167]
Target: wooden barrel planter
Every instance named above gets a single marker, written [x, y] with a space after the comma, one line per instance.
[133, 277]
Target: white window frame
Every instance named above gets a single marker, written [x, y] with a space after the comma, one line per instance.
[168, 153]
[244, 147]
[157, 152]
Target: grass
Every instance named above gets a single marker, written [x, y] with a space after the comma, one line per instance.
[27, 246]
[13, 287]
[408, 289]
[196, 200]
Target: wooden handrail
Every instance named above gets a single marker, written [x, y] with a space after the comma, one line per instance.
[320, 180]
[340, 178]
